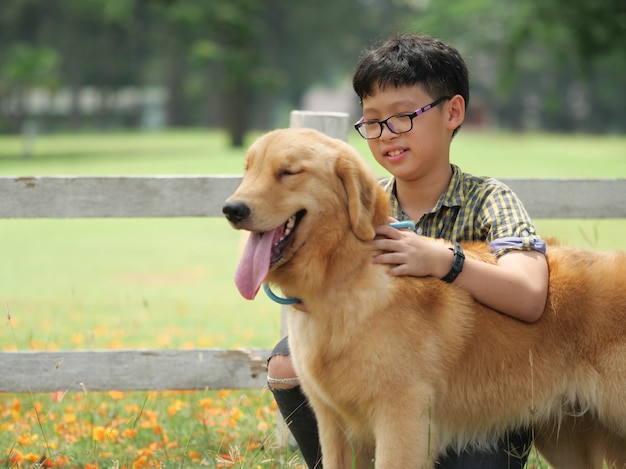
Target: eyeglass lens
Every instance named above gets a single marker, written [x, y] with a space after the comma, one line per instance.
[396, 124]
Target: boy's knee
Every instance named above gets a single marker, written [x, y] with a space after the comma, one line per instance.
[280, 373]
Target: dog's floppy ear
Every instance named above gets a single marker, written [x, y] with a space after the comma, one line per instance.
[362, 195]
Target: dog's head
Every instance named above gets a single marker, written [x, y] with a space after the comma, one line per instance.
[304, 197]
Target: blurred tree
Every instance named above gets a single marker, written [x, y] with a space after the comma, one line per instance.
[532, 65]
[261, 50]
[25, 68]
[237, 33]
[575, 29]
[91, 39]
[236, 63]
[579, 56]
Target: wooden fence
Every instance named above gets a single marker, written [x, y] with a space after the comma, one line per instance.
[203, 196]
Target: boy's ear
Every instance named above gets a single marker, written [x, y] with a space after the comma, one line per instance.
[456, 111]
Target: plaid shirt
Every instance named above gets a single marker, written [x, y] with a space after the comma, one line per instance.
[474, 209]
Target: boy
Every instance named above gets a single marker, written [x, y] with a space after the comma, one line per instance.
[413, 92]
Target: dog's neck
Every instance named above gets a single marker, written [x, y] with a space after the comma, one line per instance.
[330, 275]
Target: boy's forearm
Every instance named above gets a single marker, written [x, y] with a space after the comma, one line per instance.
[517, 285]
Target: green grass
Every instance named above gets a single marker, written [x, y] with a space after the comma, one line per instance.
[168, 283]
[128, 283]
[534, 155]
[176, 152]
[206, 152]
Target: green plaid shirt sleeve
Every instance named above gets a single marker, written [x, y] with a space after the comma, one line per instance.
[475, 209]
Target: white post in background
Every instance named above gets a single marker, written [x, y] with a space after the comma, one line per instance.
[333, 124]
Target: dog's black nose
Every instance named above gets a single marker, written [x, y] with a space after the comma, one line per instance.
[236, 212]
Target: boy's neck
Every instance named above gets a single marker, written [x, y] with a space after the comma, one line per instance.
[418, 196]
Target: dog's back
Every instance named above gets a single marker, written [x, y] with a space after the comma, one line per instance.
[572, 359]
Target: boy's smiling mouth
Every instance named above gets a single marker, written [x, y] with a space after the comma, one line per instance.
[395, 154]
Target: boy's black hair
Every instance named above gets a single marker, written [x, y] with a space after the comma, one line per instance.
[408, 60]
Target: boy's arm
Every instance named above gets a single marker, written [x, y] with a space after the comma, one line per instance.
[517, 285]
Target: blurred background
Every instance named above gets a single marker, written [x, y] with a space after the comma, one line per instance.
[241, 65]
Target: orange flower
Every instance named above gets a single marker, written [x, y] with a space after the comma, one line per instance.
[254, 445]
[26, 439]
[205, 402]
[70, 417]
[223, 393]
[115, 344]
[15, 456]
[98, 434]
[117, 395]
[195, 456]
[237, 414]
[38, 461]
[176, 407]
[77, 339]
[129, 433]
[113, 434]
[63, 461]
[141, 462]
[164, 339]
[58, 396]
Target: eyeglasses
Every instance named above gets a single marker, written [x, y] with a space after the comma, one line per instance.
[398, 124]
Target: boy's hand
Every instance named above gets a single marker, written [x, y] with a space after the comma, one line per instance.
[411, 254]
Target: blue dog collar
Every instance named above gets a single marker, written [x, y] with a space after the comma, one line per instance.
[278, 299]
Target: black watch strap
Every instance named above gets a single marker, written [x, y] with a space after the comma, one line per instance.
[457, 264]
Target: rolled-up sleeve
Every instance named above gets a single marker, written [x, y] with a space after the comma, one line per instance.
[506, 224]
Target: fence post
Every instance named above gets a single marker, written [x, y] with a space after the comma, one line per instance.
[333, 124]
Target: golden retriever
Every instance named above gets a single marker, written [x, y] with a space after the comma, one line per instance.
[398, 369]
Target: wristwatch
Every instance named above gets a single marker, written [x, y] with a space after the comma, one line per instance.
[457, 264]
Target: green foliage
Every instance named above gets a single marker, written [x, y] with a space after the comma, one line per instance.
[586, 31]
[534, 64]
[27, 66]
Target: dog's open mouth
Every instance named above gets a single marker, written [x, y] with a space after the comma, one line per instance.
[264, 250]
[288, 232]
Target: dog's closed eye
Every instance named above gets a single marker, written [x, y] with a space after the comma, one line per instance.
[289, 172]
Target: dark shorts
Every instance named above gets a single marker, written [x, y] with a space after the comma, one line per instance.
[281, 348]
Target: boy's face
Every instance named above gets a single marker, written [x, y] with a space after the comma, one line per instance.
[425, 148]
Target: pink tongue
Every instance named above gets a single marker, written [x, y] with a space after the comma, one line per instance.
[255, 262]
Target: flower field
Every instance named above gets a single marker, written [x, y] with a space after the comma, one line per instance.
[174, 429]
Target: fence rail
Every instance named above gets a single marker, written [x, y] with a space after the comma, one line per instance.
[129, 370]
[203, 196]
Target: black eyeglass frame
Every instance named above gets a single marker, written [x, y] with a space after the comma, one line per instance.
[411, 115]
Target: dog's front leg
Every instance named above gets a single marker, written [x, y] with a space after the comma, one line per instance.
[335, 447]
[406, 436]
[337, 451]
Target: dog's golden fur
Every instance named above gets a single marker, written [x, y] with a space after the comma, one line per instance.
[399, 368]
